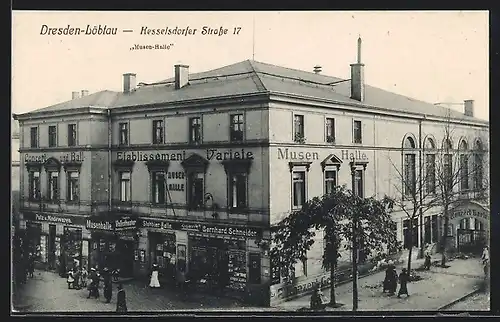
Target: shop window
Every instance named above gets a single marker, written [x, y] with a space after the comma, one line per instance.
[73, 186]
[72, 135]
[330, 130]
[72, 246]
[254, 268]
[357, 132]
[34, 185]
[164, 253]
[34, 137]
[238, 190]
[158, 187]
[123, 133]
[237, 127]
[196, 190]
[53, 189]
[158, 132]
[195, 133]
[125, 186]
[330, 181]
[298, 128]
[52, 136]
[299, 188]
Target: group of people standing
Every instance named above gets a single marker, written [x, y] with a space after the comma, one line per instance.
[92, 280]
[391, 281]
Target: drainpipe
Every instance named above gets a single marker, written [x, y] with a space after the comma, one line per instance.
[420, 163]
[110, 137]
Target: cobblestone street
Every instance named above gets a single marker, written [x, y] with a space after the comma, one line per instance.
[477, 302]
[438, 287]
[47, 292]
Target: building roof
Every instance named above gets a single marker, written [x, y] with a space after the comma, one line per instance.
[252, 77]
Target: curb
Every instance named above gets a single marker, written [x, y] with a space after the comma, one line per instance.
[444, 307]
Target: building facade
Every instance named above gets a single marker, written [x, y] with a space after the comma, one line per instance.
[190, 173]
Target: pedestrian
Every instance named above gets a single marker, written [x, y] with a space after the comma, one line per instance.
[394, 281]
[108, 285]
[485, 257]
[317, 299]
[403, 281]
[387, 279]
[31, 265]
[76, 275]
[121, 300]
[70, 279]
[84, 275]
[427, 262]
[154, 282]
[94, 284]
[116, 274]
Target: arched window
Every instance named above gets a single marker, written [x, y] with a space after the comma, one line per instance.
[409, 155]
[430, 166]
[464, 166]
[478, 165]
[447, 167]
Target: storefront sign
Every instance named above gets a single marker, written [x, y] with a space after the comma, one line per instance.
[470, 213]
[61, 219]
[246, 232]
[125, 224]
[66, 157]
[288, 290]
[99, 225]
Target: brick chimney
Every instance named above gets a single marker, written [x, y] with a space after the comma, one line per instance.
[358, 77]
[85, 92]
[469, 107]
[317, 69]
[75, 95]
[181, 76]
[129, 82]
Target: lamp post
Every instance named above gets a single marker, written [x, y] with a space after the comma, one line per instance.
[354, 244]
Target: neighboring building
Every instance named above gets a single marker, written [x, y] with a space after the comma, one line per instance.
[14, 141]
[191, 172]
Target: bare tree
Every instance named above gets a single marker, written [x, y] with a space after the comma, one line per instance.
[414, 197]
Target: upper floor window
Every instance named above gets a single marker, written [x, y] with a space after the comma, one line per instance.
[123, 133]
[196, 190]
[34, 137]
[53, 186]
[73, 186]
[238, 190]
[330, 181]
[72, 135]
[52, 136]
[298, 128]
[159, 187]
[357, 132]
[237, 127]
[447, 167]
[330, 130]
[34, 185]
[158, 132]
[299, 188]
[430, 166]
[478, 165]
[464, 166]
[125, 186]
[195, 130]
[409, 167]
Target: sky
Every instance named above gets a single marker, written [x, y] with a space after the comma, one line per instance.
[431, 56]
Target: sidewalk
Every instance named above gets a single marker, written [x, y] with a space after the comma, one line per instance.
[438, 287]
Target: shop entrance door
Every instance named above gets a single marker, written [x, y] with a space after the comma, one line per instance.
[125, 258]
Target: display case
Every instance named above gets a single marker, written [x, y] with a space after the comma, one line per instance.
[237, 269]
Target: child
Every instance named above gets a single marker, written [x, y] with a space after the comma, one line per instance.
[70, 280]
[85, 274]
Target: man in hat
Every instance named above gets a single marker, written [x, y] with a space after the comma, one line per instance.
[108, 291]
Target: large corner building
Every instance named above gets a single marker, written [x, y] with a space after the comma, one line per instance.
[191, 172]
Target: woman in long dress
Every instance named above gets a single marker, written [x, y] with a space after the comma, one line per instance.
[154, 282]
[121, 300]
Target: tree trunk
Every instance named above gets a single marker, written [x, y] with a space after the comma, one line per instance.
[445, 237]
[409, 258]
[332, 285]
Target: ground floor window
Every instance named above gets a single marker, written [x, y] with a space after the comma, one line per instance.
[410, 233]
[32, 243]
[434, 228]
[220, 262]
[163, 253]
[71, 254]
[113, 253]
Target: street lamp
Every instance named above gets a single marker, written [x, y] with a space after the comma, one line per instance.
[354, 243]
